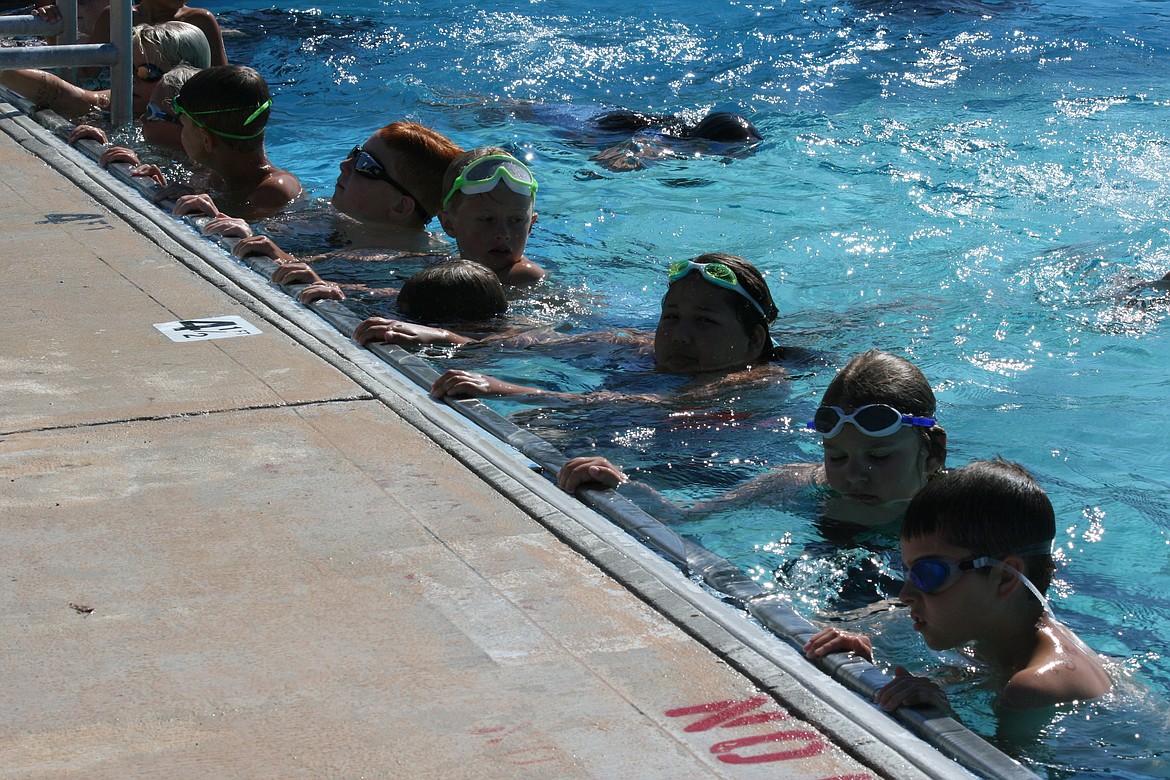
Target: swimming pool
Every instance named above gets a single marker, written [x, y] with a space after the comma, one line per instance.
[975, 185]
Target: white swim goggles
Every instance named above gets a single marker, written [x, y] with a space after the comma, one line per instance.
[871, 419]
[485, 173]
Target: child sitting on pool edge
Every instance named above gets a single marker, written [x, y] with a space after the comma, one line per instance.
[977, 545]
[882, 443]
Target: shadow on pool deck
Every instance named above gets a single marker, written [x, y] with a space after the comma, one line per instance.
[247, 557]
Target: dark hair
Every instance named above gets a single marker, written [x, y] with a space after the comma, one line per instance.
[756, 286]
[991, 507]
[877, 377]
[223, 98]
[456, 290]
[423, 157]
[726, 127]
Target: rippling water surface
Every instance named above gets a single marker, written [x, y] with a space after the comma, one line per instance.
[979, 186]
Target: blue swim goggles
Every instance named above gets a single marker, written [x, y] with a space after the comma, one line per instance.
[485, 173]
[935, 574]
[871, 419]
[717, 274]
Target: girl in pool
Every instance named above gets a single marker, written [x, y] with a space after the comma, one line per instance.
[882, 443]
[713, 325]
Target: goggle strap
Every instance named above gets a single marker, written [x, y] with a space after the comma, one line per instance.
[980, 563]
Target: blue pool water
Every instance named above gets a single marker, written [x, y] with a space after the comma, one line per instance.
[976, 185]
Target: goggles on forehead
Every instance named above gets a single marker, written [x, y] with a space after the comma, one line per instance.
[148, 72]
[717, 274]
[260, 109]
[367, 165]
[871, 419]
[936, 574]
[485, 173]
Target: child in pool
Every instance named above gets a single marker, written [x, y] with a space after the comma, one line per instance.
[224, 111]
[881, 443]
[159, 11]
[714, 324]
[488, 210]
[656, 137]
[455, 290]
[977, 546]
[155, 49]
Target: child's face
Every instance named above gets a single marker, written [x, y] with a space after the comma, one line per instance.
[876, 470]
[698, 331]
[951, 616]
[145, 54]
[491, 228]
[367, 199]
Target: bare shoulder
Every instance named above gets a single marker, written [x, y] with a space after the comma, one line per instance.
[1063, 669]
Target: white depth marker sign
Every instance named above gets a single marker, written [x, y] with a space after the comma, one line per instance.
[207, 329]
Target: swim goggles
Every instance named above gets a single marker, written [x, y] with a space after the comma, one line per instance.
[367, 165]
[260, 109]
[148, 72]
[155, 113]
[717, 274]
[485, 173]
[871, 419]
[936, 574]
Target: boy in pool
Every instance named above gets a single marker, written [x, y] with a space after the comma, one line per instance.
[977, 546]
[489, 209]
[882, 443]
[224, 111]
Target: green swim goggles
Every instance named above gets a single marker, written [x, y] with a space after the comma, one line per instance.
[260, 109]
[717, 274]
[485, 173]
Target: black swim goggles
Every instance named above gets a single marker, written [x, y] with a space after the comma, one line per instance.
[871, 419]
[148, 72]
[367, 165]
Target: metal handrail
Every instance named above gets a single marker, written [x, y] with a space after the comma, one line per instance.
[117, 54]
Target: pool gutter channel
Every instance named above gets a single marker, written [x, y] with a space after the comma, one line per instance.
[646, 556]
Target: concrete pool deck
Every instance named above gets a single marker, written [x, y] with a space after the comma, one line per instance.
[244, 557]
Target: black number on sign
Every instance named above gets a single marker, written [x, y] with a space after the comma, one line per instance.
[203, 325]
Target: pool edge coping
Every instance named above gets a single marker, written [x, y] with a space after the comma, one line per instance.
[820, 697]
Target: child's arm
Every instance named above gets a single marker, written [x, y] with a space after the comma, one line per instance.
[205, 21]
[834, 640]
[908, 690]
[593, 468]
[380, 329]
[468, 384]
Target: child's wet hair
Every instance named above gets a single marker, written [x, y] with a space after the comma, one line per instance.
[990, 507]
[224, 100]
[423, 157]
[176, 43]
[756, 286]
[877, 377]
[456, 290]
